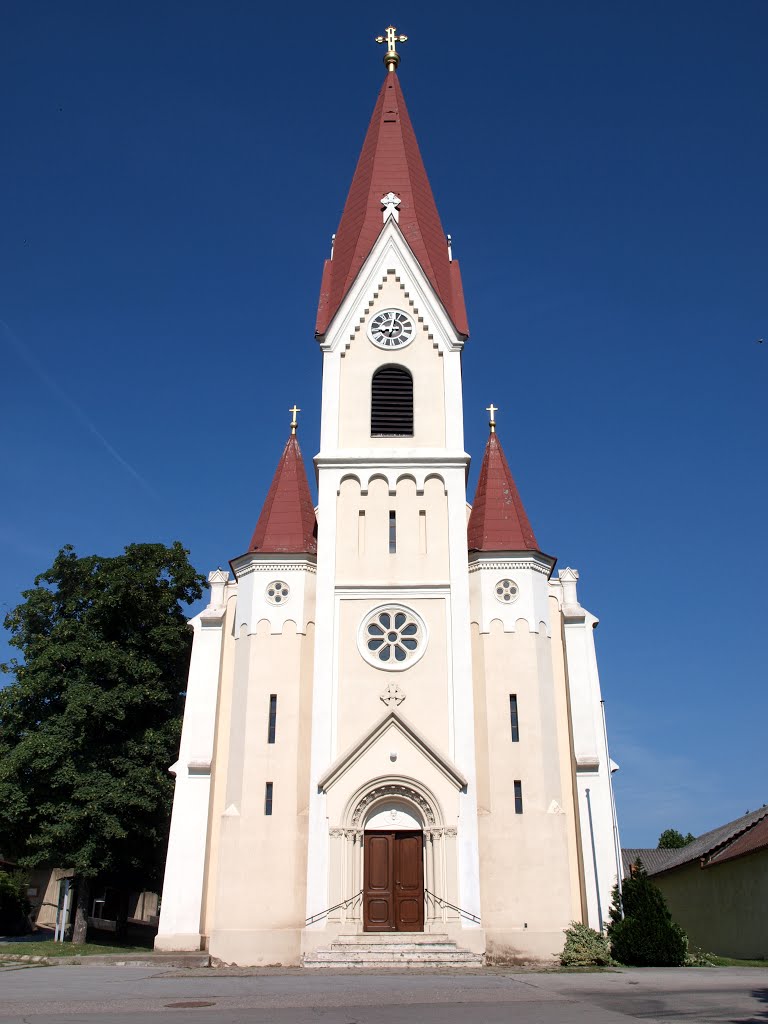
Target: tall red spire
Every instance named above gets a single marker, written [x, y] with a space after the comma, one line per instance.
[287, 522]
[390, 161]
[498, 521]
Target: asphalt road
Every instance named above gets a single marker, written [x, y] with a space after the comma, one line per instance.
[135, 995]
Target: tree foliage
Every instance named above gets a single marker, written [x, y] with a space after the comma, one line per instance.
[91, 722]
[584, 947]
[646, 936]
[14, 905]
[671, 839]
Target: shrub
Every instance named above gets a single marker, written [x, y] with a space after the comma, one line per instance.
[646, 936]
[14, 905]
[584, 947]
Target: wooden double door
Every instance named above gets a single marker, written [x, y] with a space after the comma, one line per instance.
[393, 888]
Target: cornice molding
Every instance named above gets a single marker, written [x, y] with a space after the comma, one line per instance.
[502, 563]
[242, 569]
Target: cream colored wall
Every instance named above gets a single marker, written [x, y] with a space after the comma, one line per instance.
[360, 685]
[723, 907]
[257, 884]
[362, 359]
[528, 862]
[219, 762]
[567, 762]
[362, 538]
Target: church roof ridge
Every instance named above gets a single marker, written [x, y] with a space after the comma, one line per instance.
[498, 520]
[390, 162]
[287, 524]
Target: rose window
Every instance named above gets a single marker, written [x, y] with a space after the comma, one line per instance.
[277, 592]
[392, 637]
[506, 591]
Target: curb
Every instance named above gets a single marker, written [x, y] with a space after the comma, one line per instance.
[112, 960]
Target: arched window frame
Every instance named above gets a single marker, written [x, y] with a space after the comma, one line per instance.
[392, 406]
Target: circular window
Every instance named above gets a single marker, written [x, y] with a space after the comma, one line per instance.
[277, 592]
[506, 591]
[392, 637]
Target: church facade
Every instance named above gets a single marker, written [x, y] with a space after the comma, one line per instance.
[393, 719]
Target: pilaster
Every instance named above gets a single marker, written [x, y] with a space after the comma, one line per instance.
[182, 901]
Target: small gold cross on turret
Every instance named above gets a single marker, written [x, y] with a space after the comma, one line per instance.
[492, 409]
[391, 57]
[294, 421]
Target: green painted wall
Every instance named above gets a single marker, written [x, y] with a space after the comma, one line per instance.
[723, 908]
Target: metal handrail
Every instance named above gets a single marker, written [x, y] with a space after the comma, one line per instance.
[330, 910]
[444, 903]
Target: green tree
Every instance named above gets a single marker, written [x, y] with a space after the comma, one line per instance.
[92, 720]
[646, 936]
[14, 905]
[671, 839]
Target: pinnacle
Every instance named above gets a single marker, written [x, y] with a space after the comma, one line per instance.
[390, 162]
[287, 522]
[498, 521]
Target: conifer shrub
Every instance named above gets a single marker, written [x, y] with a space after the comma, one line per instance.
[646, 936]
[14, 905]
[584, 947]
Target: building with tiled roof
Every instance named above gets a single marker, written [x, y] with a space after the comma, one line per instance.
[716, 886]
[393, 717]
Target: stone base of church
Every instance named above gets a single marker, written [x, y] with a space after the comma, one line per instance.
[312, 939]
[192, 942]
[271, 947]
[511, 947]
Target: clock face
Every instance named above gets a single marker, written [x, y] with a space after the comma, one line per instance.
[391, 329]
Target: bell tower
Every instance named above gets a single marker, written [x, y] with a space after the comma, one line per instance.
[392, 542]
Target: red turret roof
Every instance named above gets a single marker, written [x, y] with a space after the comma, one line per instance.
[287, 522]
[498, 521]
[390, 162]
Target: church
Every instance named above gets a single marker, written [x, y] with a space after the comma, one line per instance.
[393, 747]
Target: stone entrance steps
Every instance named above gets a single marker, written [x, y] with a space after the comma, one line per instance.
[393, 949]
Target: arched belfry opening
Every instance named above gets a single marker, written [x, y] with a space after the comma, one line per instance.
[392, 402]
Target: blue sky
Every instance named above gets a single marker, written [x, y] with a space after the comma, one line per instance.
[172, 174]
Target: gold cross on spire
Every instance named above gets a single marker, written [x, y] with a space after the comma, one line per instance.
[294, 421]
[492, 409]
[391, 57]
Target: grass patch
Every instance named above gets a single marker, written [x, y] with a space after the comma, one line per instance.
[729, 961]
[47, 947]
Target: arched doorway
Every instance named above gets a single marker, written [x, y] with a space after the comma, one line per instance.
[393, 869]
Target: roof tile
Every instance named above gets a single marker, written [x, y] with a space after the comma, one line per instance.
[498, 521]
[287, 522]
[390, 161]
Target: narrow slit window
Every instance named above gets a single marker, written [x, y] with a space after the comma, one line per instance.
[518, 797]
[392, 533]
[272, 718]
[268, 798]
[513, 719]
[392, 402]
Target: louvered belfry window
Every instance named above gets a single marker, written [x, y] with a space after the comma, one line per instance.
[392, 402]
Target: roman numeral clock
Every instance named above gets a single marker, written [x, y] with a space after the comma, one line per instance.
[391, 328]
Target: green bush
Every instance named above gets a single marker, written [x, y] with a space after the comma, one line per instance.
[646, 936]
[14, 905]
[584, 947]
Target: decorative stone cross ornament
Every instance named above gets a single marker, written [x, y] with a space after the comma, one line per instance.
[392, 696]
[390, 202]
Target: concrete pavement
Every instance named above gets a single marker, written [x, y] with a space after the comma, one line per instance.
[135, 995]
